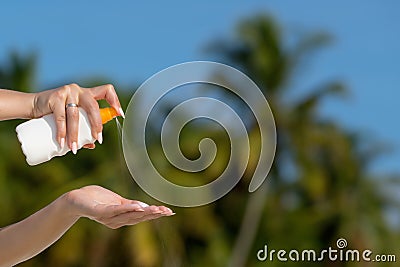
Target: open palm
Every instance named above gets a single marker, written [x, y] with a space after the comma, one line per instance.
[110, 209]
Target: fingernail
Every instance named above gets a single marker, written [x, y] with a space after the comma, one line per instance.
[122, 113]
[62, 143]
[143, 205]
[100, 138]
[168, 212]
[137, 207]
[74, 148]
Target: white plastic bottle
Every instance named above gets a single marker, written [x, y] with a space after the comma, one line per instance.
[38, 136]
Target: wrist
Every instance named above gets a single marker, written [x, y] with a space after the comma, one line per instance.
[33, 103]
[27, 105]
[16, 105]
[69, 204]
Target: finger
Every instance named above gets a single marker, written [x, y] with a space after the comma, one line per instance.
[116, 210]
[166, 211]
[89, 146]
[161, 209]
[108, 93]
[131, 218]
[72, 127]
[144, 219]
[124, 215]
[153, 209]
[90, 105]
[60, 120]
[142, 204]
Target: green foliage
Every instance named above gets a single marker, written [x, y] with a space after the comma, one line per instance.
[20, 73]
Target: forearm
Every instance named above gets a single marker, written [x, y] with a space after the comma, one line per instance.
[27, 238]
[16, 105]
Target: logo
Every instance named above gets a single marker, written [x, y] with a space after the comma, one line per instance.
[152, 92]
[332, 254]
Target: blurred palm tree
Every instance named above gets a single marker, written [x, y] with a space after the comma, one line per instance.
[318, 190]
[20, 72]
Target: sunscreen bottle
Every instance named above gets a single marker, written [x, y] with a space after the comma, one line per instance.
[38, 136]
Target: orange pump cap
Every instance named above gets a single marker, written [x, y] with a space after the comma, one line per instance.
[107, 114]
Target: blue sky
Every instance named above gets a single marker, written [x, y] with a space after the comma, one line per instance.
[128, 41]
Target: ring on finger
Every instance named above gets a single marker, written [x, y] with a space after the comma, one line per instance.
[71, 105]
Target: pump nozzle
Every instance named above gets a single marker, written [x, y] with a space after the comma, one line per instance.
[107, 114]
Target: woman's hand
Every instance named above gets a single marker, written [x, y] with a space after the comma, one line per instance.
[67, 118]
[27, 238]
[109, 208]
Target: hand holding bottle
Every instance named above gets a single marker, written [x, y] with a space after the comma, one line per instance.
[38, 137]
[63, 103]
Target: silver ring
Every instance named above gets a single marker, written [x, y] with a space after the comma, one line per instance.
[71, 105]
